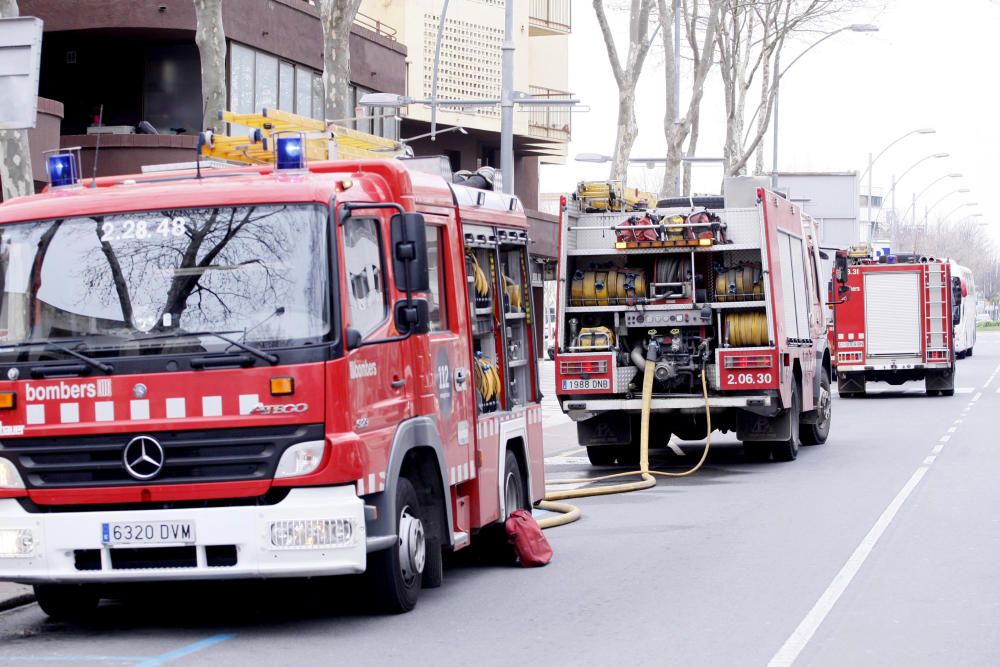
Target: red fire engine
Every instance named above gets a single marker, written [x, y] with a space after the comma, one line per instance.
[893, 321]
[257, 372]
[726, 287]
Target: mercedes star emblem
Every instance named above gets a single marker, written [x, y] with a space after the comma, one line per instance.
[143, 457]
[139, 391]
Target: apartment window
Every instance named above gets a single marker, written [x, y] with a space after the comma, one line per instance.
[258, 79]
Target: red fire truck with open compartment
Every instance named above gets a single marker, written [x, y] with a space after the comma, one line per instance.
[258, 372]
[734, 291]
[893, 321]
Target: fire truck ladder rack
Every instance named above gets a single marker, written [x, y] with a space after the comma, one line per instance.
[935, 312]
[323, 141]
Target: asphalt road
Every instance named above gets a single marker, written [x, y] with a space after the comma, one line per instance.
[878, 548]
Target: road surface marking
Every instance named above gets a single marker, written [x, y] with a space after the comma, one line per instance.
[976, 397]
[937, 449]
[795, 643]
[952, 429]
[994, 374]
[184, 651]
[945, 438]
[965, 390]
[566, 460]
[929, 460]
[675, 448]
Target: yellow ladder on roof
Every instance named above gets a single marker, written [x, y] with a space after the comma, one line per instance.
[323, 141]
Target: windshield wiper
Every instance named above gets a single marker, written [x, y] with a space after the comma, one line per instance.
[257, 352]
[52, 345]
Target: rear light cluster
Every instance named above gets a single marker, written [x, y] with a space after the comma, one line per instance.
[583, 367]
[937, 355]
[754, 361]
[850, 357]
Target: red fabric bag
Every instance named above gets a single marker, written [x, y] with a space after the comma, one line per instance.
[530, 545]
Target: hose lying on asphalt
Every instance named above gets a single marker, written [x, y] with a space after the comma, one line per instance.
[570, 513]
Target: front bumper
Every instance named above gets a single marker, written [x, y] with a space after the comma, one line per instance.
[59, 538]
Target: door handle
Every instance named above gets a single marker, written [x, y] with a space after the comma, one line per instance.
[397, 383]
[460, 376]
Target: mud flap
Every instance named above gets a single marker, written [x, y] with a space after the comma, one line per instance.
[755, 428]
[851, 383]
[607, 428]
[940, 380]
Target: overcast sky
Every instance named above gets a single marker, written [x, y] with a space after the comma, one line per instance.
[933, 63]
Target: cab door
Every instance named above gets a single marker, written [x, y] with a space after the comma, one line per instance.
[380, 377]
[448, 347]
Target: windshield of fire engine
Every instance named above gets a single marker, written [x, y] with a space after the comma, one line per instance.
[257, 273]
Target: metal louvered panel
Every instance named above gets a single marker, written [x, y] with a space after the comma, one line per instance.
[892, 314]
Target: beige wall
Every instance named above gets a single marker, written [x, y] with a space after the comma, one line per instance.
[471, 55]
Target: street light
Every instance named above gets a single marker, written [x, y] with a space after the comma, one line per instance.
[855, 27]
[943, 197]
[895, 182]
[960, 206]
[872, 161]
[920, 194]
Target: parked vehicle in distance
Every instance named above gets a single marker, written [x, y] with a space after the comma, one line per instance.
[965, 310]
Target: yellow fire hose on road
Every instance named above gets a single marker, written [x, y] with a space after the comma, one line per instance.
[570, 513]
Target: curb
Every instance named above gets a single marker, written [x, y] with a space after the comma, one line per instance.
[16, 601]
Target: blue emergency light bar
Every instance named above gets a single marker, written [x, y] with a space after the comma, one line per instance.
[62, 169]
[290, 152]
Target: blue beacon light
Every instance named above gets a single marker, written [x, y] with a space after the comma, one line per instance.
[290, 153]
[62, 169]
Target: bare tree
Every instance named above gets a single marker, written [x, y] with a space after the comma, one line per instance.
[210, 36]
[626, 76]
[701, 42]
[336, 18]
[751, 37]
[15, 158]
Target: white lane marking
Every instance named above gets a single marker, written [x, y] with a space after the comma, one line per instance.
[797, 641]
[957, 421]
[945, 438]
[977, 397]
[964, 390]
[566, 460]
[937, 449]
[675, 448]
[952, 429]
[993, 375]
[929, 460]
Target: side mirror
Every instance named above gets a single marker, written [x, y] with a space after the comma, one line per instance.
[409, 252]
[840, 268]
[354, 339]
[412, 317]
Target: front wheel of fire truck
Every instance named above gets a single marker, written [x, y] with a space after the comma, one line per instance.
[817, 432]
[398, 571]
[788, 450]
[66, 601]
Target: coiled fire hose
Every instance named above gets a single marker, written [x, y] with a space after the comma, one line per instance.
[746, 329]
[570, 513]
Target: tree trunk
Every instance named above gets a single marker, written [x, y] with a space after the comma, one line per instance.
[210, 36]
[15, 158]
[693, 150]
[765, 91]
[628, 130]
[336, 18]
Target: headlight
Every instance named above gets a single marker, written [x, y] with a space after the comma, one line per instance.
[300, 459]
[16, 543]
[10, 478]
[312, 533]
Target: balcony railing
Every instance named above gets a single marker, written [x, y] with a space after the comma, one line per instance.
[553, 122]
[550, 17]
[366, 22]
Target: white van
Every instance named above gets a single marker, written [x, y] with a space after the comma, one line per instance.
[964, 316]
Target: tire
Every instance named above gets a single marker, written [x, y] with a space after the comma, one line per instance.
[397, 572]
[816, 434]
[961, 355]
[515, 496]
[788, 450]
[968, 352]
[946, 392]
[66, 601]
[602, 455]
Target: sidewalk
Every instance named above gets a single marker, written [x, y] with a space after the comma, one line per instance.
[12, 595]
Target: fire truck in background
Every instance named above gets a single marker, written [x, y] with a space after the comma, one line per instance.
[729, 287]
[893, 321]
[269, 371]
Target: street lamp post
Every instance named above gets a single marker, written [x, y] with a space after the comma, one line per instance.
[895, 182]
[872, 161]
[921, 193]
[957, 208]
[856, 27]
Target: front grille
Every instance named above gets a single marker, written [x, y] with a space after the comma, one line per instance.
[217, 455]
[156, 558]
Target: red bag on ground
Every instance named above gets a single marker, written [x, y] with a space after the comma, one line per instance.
[524, 533]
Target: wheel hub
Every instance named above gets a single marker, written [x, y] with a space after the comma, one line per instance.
[824, 407]
[512, 500]
[412, 546]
